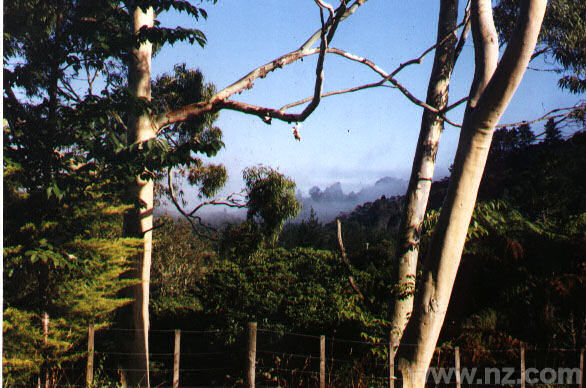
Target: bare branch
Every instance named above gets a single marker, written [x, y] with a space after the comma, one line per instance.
[417, 61]
[333, 93]
[218, 101]
[549, 115]
[465, 33]
[345, 259]
[455, 104]
[345, 13]
[194, 220]
[231, 201]
[539, 52]
[393, 81]
[327, 6]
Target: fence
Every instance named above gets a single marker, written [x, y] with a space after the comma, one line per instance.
[185, 358]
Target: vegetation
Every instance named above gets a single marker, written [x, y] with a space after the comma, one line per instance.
[85, 166]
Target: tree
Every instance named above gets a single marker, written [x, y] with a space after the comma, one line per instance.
[491, 91]
[144, 128]
[552, 134]
[423, 167]
[525, 135]
[63, 258]
[71, 141]
[270, 201]
[562, 37]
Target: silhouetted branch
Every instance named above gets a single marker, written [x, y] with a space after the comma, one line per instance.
[549, 115]
[345, 259]
[194, 220]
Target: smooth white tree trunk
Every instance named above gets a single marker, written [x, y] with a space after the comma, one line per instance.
[423, 168]
[139, 222]
[492, 89]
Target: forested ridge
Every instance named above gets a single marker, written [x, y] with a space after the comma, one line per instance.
[94, 144]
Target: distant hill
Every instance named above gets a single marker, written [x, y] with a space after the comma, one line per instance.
[330, 202]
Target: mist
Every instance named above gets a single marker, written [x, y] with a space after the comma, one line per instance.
[331, 201]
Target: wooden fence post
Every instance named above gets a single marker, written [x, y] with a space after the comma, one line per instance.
[457, 361]
[45, 342]
[581, 382]
[176, 356]
[251, 354]
[522, 366]
[322, 361]
[89, 371]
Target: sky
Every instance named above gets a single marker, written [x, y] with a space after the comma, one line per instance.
[355, 138]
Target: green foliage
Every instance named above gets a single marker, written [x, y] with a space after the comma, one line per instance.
[524, 282]
[309, 233]
[301, 289]
[543, 181]
[68, 161]
[563, 35]
[552, 133]
[67, 264]
[240, 240]
[270, 200]
[180, 259]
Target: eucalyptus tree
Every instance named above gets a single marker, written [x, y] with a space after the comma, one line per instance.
[144, 128]
[432, 124]
[116, 121]
[492, 88]
[69, 110]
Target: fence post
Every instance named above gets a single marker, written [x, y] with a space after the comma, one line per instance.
[522, 366]
[45, 342]
[176, 355]
[322, 361]
[251, 354]
[457, 360]
[89, 372]
[581, 383]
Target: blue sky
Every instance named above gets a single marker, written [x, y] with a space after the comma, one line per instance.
[356, 138]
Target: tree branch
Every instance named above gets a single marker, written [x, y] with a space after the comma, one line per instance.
[549, 115]
[388, 78]
[219, 100]
[465, 33]
[230, 201]
[345, 260]
[344, 13]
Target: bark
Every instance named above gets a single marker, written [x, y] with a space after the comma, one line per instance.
[423, 167]
[490, 94]
[139, 222]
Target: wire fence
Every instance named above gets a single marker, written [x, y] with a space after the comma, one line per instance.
[192, 358]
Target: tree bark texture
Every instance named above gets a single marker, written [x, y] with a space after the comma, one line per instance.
[492, 89]
[139, 221]
[423, 167]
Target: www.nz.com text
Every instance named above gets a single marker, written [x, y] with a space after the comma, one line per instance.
[505, 376]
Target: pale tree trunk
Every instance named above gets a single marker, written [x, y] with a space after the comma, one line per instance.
[139, 222]
[490, 94]
[423, 167]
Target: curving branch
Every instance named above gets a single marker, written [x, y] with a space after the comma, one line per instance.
[385, 78]
[233, 201]
[552, 114]
[389, 77]
[345, 259]
[220, 100]
[327, 6]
